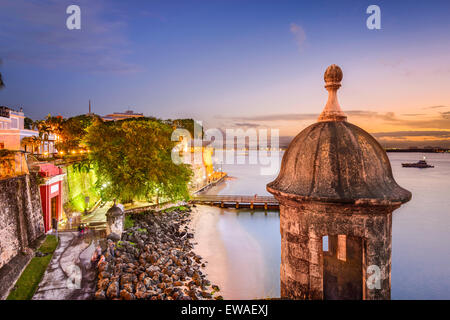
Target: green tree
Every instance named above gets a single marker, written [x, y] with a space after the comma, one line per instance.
[187, 124]
[44, 131]
[72, 132]
[54, 123]
[28, 123]
[31, 144]
[133, 160]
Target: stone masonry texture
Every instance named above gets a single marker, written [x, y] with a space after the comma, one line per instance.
[21, 219]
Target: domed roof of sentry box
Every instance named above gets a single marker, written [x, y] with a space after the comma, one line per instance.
[336, 161]
[114, 211]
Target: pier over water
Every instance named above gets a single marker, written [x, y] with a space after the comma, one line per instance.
[238, 201]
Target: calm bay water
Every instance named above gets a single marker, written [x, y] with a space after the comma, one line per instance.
[420, 234]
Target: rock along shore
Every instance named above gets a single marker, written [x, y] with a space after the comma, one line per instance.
[154, 260]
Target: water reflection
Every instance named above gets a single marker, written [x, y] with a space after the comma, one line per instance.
[243, 250]
[420, 237]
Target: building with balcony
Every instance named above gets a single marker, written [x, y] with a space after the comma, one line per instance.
[12, 129]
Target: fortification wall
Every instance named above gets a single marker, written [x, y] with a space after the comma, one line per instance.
[21, 219]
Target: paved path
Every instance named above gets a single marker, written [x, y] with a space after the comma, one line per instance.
[98, 215]
[69, 275]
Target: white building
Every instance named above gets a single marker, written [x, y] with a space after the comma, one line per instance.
[116, 116]
[12, 129]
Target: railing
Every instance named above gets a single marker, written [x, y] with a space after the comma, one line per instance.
[216, 178]
[226, 201]
[235, 199]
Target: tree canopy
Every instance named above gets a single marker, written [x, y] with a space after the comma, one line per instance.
[188, 124]
[28, 123]
[133, 160]
[71, 131]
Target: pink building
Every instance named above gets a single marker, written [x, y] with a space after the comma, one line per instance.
[12, 129]
[51, 193]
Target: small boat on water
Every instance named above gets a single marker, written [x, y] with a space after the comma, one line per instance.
[420, 164]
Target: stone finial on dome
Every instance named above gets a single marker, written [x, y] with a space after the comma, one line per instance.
[332, 111]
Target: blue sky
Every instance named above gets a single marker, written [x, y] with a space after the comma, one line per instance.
[229, 62]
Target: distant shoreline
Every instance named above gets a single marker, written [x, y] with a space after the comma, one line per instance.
[426, 150]
[422, 150]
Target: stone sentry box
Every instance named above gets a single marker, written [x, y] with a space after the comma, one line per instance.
[337, 194]
[115, 222]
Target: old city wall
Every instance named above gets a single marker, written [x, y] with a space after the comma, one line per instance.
[21, 219]
[302, 227]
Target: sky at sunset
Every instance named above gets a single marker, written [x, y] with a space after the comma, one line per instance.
[234, 64]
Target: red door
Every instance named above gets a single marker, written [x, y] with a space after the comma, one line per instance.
[54, 209]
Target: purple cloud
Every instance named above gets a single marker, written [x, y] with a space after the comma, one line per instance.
[35, 32]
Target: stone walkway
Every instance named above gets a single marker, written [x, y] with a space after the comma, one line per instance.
[98, 215]
[69, 275]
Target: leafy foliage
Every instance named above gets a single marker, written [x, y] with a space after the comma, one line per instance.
[81, 183]
[31, 144]
[83, 165]
[129, 222]
[187, 124]
[71, 132]
[133, 160]
[28, 123]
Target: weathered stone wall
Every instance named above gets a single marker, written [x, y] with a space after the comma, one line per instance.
[21, 219]
[302, 226]
[35, 218]
[9, 242]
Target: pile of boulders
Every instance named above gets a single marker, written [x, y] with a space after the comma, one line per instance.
[154, 260]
